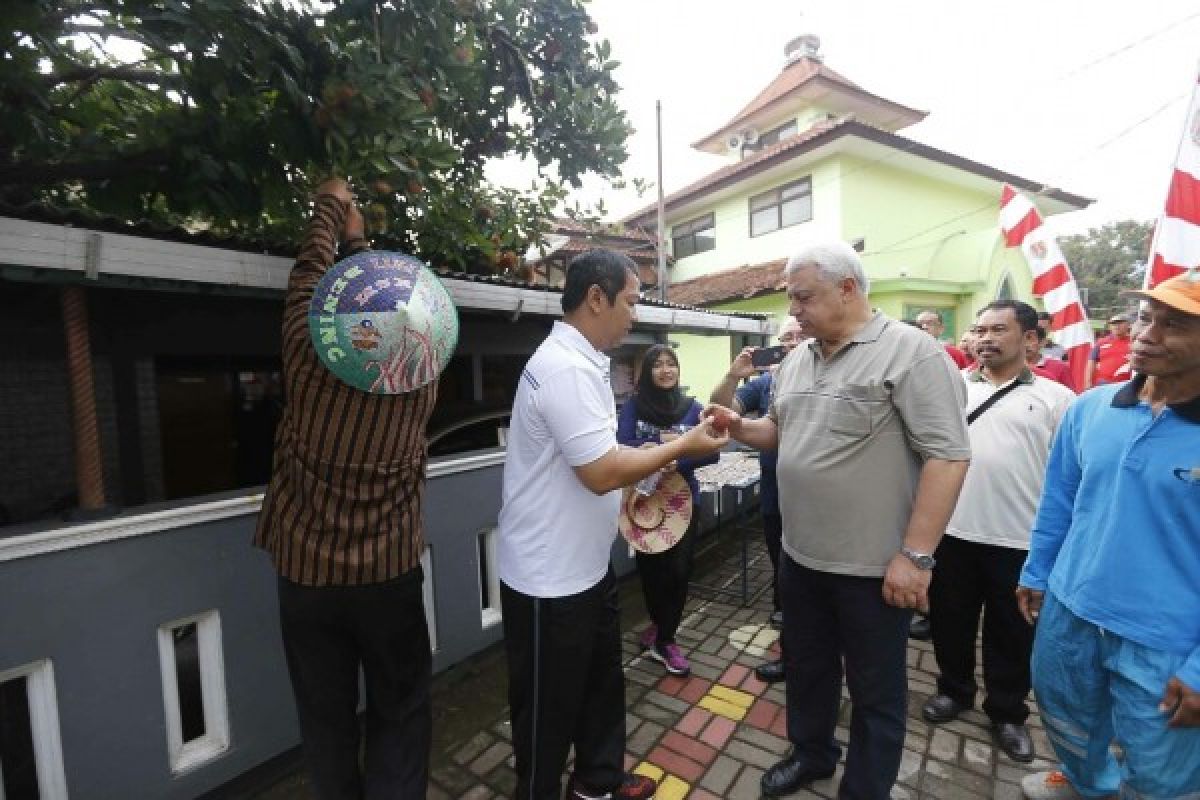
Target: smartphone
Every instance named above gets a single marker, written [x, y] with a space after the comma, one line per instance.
[768, 356]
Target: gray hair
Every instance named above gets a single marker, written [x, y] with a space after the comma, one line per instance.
[834, 261]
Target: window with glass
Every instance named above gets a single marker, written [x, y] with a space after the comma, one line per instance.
[694, 236]
[776, 135]
[788, 205]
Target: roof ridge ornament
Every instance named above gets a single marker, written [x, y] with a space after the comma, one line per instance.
[807, 45]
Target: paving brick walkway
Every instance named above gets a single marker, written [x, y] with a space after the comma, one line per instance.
[712, 735]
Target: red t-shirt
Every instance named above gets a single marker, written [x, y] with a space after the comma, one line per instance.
[1056, 370]
[1112, 360]
[957, 356]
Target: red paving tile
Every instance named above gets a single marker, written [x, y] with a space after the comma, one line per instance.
[700, 794]
[734, 675]
[753, 685]
[685, 745]
[718, 732]
[762, 713]
[695, 689]
[676, 764]
[779, 726]
[671, 684]
[693, 722]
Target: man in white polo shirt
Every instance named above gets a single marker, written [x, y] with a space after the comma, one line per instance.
[1012, 418]
[562, 477]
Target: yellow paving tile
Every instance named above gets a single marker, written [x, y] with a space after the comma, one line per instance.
[672, 789]
[723, 707]
[649, 770]
[738, 698]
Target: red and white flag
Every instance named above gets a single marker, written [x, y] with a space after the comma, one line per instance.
[1052, 278]
[1176, 245]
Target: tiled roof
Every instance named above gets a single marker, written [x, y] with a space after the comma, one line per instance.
[831, 130]
[745, 165]
[794, 76]
[740, 283]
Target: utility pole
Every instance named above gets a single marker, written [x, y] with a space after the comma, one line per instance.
[661, 233]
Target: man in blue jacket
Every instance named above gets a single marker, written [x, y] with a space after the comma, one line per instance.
[1113, 574]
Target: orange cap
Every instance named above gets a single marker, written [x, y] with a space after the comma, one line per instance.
[1181, 292]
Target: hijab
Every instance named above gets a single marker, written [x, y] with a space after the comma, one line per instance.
[658, 406]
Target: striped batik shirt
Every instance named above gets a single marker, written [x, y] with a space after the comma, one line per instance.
[343, 507]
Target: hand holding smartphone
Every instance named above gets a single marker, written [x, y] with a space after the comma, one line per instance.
[765, 357]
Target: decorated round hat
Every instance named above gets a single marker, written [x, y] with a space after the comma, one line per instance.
[656, 522]
[383, 322]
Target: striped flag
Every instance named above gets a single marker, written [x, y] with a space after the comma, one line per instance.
[1176, 245]
[1052, 278]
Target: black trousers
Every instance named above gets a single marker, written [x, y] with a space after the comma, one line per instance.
[772, 525]
[665, 578]
[565, 686]
[828, 618]
[328, 634]
[969, 578]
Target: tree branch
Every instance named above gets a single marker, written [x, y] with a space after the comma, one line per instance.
[128, 74]
[42, 174]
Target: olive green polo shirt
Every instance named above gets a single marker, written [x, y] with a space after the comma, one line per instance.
[854, 432]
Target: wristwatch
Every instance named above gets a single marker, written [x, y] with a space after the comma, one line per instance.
[921, 560]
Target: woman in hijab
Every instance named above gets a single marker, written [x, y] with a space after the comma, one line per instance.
[658, 412]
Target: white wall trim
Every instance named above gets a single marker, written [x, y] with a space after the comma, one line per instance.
[183, 755]
[428, 598]
[44, 727]
[151, 522]
[491, 615]
[65, 248]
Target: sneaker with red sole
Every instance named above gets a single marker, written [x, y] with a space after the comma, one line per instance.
[671, 657]
[633, 787]
[649, 637]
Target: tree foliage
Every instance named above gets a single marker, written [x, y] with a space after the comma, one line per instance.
[1108, 259]
[223, 114]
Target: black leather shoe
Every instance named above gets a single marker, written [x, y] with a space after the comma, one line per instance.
[771, 671]
[919, 628]
[776, 619]
[941, 708]
[1014, 740]
[789, 775]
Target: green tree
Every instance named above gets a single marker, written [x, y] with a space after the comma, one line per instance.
[1108, 259]
[223, 114]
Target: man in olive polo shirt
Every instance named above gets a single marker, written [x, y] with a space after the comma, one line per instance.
[873, 448]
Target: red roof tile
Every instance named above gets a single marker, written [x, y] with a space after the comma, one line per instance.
[823, 132]
[740, 283]
[745, 165]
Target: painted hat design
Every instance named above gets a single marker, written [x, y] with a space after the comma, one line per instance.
[656, 522]
[383, 322]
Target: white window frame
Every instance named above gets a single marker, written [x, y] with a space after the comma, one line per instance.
[44, 728]
[427, 595]
[185, 756]
[492, 615]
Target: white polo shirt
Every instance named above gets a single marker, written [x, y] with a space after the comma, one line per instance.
[1010, 444]
[555, 535]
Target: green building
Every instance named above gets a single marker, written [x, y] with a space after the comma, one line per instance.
[815, 156]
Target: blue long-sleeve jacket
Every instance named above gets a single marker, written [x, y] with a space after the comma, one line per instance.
[1117, 535]
[635, 432]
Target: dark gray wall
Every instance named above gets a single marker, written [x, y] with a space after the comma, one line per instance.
[95, 611]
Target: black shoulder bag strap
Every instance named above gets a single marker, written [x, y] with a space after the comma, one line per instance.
[991, 401]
